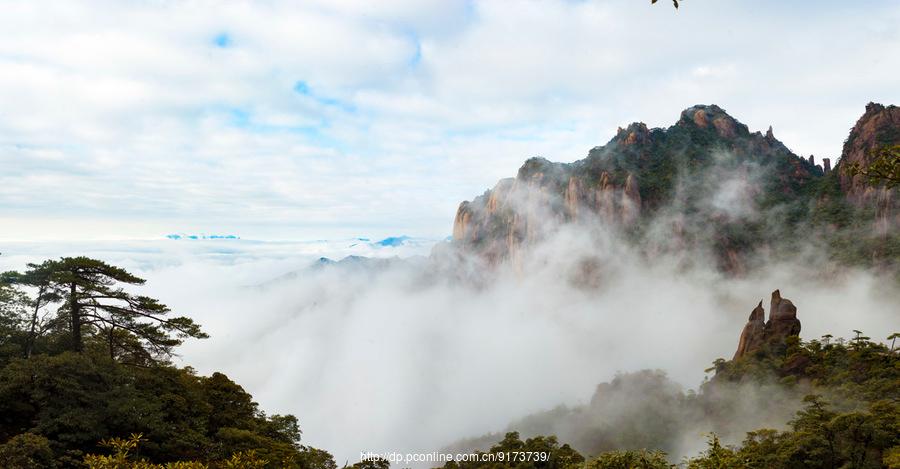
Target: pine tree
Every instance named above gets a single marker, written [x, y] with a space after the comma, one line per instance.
[94, 302]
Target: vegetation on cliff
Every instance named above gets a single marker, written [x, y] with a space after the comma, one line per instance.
[850, 417]
[708, 183]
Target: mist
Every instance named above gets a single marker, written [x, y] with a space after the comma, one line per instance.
[432, 345]
[403, 360]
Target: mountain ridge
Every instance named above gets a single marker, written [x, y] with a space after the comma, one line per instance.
[640, 172]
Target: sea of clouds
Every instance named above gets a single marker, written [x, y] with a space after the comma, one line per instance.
[397, 356]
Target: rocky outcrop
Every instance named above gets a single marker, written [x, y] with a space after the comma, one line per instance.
[879, 126]
[634, 134]
[713, 116]
[783, 320]
[462, 222]
[630, 206]
[516, 211]
[759, 334]
[753, 335]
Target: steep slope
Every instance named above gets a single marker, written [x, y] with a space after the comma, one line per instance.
[879, 126]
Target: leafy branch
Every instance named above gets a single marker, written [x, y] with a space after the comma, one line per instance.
[674, 2]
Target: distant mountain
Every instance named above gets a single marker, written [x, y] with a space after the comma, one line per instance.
[177, 236]
[393, 241]
[705, 181]
[349, 265]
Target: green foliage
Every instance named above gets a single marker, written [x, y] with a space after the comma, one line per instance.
[822, 438]
[27, 451]
[862, 376]
[541, 452]
[716, 456]
[891, 458]
[77, 303]
[760, 448]
[58, 400]
[122, 458]
[75, 400]
[818, 438]
[372, 463]
[883, 169]
[857, 370]
[13, 304]
[641, 459]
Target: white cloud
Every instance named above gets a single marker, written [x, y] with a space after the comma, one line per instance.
[410, 361]
[112, 111]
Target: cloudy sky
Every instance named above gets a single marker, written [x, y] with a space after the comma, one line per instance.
[317, 119]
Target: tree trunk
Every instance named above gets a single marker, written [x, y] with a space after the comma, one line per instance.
[76, 318]
[32, 333]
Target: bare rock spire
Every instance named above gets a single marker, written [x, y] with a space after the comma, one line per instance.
[783, 321]
[753, 335]
[759, 334]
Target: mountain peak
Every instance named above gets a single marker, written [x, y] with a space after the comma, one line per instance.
[873, 107]
[642, 171]
[712, 116]
[636, 132]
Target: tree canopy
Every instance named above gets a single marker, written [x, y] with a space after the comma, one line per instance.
[90, 300]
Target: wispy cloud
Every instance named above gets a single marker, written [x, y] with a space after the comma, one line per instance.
[340, 115]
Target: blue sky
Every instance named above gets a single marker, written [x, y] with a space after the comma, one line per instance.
[342, 118]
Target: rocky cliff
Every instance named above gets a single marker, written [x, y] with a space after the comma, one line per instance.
[636, 173]
[879, 126]
[734, 190]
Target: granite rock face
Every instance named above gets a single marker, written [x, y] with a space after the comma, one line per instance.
[753, 335]
[878, 127]
[759, 334]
